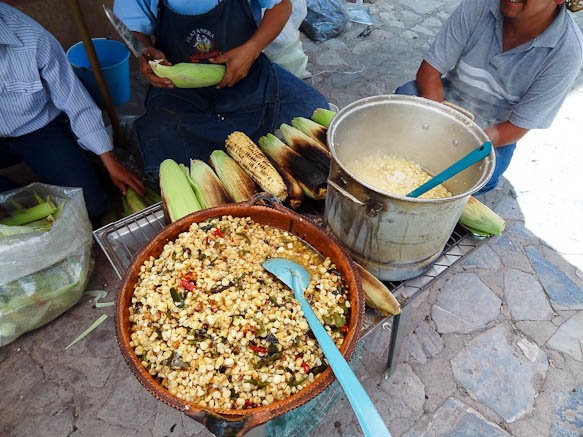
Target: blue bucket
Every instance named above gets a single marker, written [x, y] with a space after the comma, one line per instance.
[113, 57]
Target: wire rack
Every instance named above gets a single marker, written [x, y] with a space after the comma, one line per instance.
[121, 240]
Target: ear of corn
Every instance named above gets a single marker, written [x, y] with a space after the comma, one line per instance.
[306, 147]
[312, 129]
[295, 192]
[187, 75]
[125, 207]
[377, 295]
[150, 196]
[480, 219]
[28, 215]
[311, 178]
[176, 192]
[208, 188]
[134, 200]
[239, 186]
[323, 116]
[255, 164]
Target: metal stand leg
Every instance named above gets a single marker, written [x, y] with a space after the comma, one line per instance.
[398, 331]
[258, 431]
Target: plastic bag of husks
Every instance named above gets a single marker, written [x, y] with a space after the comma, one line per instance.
[43, 273]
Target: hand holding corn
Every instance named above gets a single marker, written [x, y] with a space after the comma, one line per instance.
[238, 62]
[120, 175]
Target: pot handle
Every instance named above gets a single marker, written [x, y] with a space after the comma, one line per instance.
[373, 207]
[459, 109]
[345, 193]
[223, 427]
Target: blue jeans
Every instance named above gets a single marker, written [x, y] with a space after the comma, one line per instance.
[56, 158]
[503, 154]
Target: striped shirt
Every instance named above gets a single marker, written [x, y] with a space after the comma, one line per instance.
[525, 85]
[37, 83]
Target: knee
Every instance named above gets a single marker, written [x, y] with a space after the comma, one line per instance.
[95, 202]
[408, 89]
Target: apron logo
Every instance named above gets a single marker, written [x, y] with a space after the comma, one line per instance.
[203, 45]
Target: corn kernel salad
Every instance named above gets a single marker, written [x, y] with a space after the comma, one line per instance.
[394, 175]
[215, 328]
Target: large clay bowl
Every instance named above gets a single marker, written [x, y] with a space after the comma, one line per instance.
[268, 211]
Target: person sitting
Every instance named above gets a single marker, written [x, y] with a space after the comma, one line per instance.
[255, 95]
[509, 62]
[41, 102]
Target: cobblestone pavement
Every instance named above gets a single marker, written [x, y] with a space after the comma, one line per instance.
[494, 348]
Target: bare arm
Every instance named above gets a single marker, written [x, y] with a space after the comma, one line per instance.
[504, 133]
[240, 59]
[429, 83]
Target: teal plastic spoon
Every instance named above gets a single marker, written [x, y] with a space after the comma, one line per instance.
[470, 159]
[297, 278]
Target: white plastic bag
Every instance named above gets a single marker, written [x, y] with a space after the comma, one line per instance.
[42, 274]
[286, 49]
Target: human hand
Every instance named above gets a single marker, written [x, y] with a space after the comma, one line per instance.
[146, 70]
[238, 62]
[121, 176]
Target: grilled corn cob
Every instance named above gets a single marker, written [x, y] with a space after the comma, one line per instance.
[323, 116]
[480, 219]
[255, 164]
[311, 178]
[176, 192]
[208, 188]
[306, 147]
[239, 186]
[295, 193]
[312, 129]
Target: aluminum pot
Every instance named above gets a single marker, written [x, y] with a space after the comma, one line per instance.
[266, 210]
[392, 236]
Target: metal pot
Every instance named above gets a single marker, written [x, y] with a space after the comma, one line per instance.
[392, 236]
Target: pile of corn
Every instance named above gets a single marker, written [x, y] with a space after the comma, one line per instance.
[37, 218]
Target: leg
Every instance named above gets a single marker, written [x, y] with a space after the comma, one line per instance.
[408, 89]
[57, 159]
[398, 331]
[296, 98]
[503, 157]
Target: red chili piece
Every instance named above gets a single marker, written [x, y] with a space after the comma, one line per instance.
[258, 349]
[206, 240]
[187, 285]
[305, 367]
[344, 328]
[188, 276]
[299, 356]
[218, 233]
[247, 403]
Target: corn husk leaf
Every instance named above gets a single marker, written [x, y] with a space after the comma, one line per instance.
[323, 116]
[480, 219]
[189, 75]
[177, 194]
[377, 295]
[312, 129]
[239, 186]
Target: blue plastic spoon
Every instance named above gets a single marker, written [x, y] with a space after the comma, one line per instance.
[470, 159]
[297, 278]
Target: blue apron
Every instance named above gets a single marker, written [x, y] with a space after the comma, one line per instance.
[190, 123]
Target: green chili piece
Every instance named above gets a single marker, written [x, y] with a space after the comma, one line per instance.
[268, 360]
[234, 394]
[319, 369]
[257, 383]
[272, 349]
[261, 331]
[176, 297]
[244, 236]
[339, 320]
[293, 382]
[273, 299]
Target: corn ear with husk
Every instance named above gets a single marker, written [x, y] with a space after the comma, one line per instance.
[480, 219]
[295, 193]
[323, 116]
[239, 186]
[188, 75]
[377, 295]
[176, 192]
[151, 196]
[311, 178]
[306, 146]
[208, 188]
[135, 202]
[23, 217]
[125, 207]
[312, 129]
[254, 162]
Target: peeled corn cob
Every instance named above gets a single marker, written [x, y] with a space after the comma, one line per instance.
[306, 146]
[311, 178]
[312, 129]
[480, 219]
[239, 186]
[188, 75]
[255, 164]
[323, 116]
[176, 192]
[208, 188]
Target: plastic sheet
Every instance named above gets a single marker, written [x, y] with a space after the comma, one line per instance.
[325, 19]
[42, 274]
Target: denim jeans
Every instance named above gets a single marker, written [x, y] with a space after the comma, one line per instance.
[57, 159]
[503, 154]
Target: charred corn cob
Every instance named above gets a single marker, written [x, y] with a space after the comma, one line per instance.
[239, 186]
[377, 295]
[306, 147]
[311, 178]
[323, 116]
[176, 192]
[295, 193]
[189, 75]
[312, 129]
[255, 164]
[208, 188]
[480, 219]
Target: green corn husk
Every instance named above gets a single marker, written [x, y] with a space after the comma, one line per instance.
[151, 196]
[239, 186]
[323, 116]
[480, 219]
[208, 188]
[176, 192]
[135, 202]
[125, 207]
[186, 75]
[37, 212]
[311, 129]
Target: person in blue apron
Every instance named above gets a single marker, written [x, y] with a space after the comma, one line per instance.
[255, 96]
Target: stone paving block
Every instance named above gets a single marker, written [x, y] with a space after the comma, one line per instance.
[518, 229]
[423, 30]
[525, 297]
[400, 396]
[432, 22]
[437, 376]
[569, 337]
[431, 341]
[509, 208]
[454, 418]
[539, 331]
[484, 258]
[499, 377]
[568, 411]
[564, 293]
[421, 6]
[465, 305]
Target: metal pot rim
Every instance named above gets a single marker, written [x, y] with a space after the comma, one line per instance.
[381, 99]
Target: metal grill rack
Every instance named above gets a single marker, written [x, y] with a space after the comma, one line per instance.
[124, 238]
